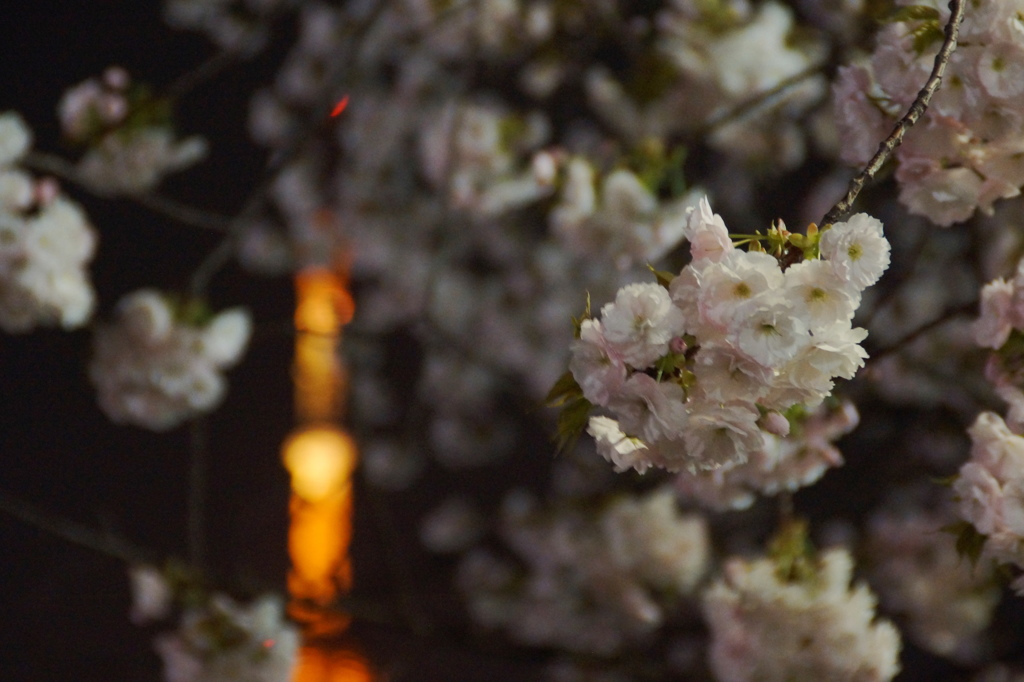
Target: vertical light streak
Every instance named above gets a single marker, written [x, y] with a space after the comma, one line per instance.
[321, 457]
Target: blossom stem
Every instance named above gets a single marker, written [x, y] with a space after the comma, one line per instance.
[764, 98]
[206, 71]
[65, 170]
[104, 543]
[965, 309]
[916, 110]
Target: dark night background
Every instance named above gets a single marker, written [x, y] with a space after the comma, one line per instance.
[66, 606]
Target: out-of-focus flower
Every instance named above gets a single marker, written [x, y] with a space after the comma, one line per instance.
[770, 627]
[224, 640]
[154, 370]
[46, 242]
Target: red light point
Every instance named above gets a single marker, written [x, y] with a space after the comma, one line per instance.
[340, 106]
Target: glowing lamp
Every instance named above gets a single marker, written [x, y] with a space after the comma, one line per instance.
[320, 460]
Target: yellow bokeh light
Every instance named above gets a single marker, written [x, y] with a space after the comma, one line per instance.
[320, 460]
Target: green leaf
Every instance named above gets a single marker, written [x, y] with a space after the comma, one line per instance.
[669, 363]
[927, 35]
[912, 13]
[945, 481]
[664, 277]
[791, 549]
[564, 389]
[577, 322]
[969, 542]
[572, 420]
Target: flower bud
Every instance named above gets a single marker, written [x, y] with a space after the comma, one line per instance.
[775, 423]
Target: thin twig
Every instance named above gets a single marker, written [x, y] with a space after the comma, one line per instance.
[211, 264]
[206, 71]
[916, 110]
[62, 168]
[914, 335]
[763, 98]
[70, 531]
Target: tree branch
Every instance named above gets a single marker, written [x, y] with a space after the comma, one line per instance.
[52, 164]
[75, 533]
[916, 110]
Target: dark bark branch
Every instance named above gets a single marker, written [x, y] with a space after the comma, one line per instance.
[916, 110]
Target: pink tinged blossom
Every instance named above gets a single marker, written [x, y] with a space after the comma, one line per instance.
[860, 122]
[724, 374]
[720, 436]
[1001, 70]
[990, 488]
[597, 367]
[154, 371]
[1017, 306]
[857, 249]
[819, 295]
[768, 629]
[962, 96]
[770, 334]
[685, 293]
[782, 464]
[730, 287]
[897, 67]
[837, 350]
[651, 410]
[640, 323]
[993, 327]
[1015, 399]
[775, 424]
[943, 195]
[707, 234]
[616, 447]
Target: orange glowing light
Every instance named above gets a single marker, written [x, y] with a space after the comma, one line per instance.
[321, 457]
[320, 460]
[340, 106]
[324, 302]
[319, 665]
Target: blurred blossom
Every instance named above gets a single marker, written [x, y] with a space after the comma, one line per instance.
[155, 370]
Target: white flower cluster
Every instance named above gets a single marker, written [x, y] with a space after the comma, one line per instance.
[1001, 328]
[45, 243]
[236, 25]
[990, 490]
[947, 603]
[619, 217]
[592, 585]
[474, 153]
[689, 370]
[716, 55]
[990, 487]
[460, 29]
[154, 370]
[965, 153]
[784, 463]
[770, 629]
[217, 639]
[129, 148]
[224, 641]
